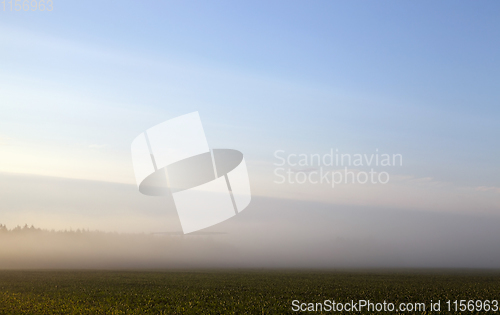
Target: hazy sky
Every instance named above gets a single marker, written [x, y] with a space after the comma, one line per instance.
[416, 78]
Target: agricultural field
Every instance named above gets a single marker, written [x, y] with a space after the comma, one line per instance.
[233, 292]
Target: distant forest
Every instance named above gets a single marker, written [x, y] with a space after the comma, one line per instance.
[30, 229]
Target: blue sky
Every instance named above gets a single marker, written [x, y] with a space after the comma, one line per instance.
[417, 78]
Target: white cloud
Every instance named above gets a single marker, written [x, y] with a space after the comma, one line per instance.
[489, 188]
[97, 146]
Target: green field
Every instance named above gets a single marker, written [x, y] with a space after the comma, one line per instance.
[229, 292]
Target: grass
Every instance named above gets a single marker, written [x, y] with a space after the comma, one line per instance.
[228, 292]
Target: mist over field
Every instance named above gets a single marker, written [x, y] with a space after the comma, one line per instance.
[98, 225]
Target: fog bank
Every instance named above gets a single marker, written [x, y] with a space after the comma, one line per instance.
[270, 233]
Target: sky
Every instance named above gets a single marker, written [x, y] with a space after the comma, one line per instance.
[419, 79]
